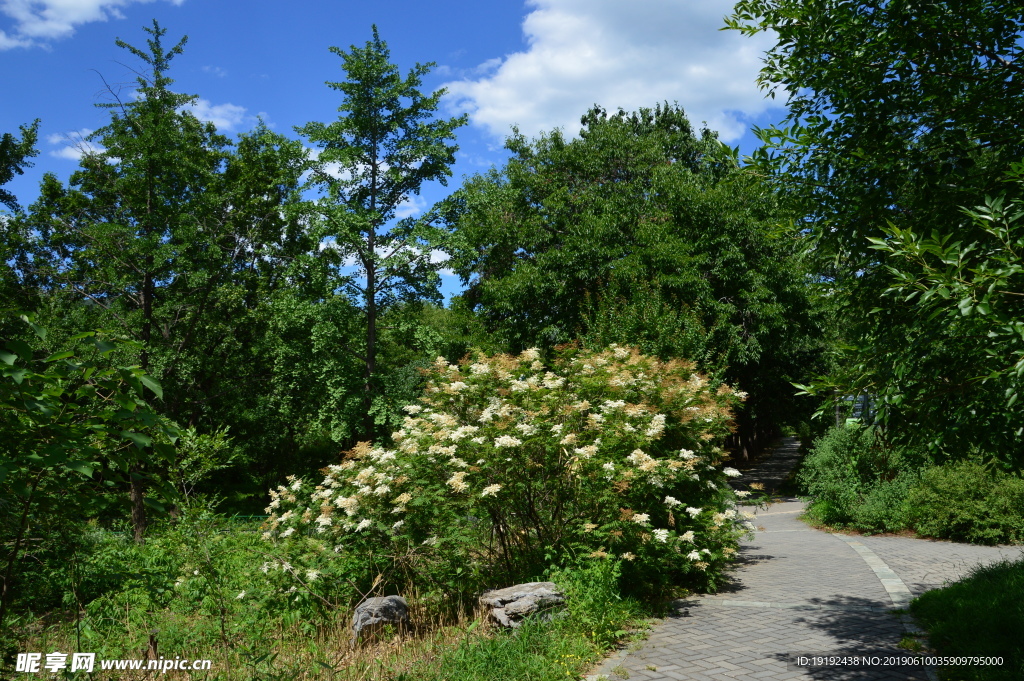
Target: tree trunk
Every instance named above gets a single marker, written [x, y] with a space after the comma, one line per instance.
[136, 494]
[13, 558]
[371, 334]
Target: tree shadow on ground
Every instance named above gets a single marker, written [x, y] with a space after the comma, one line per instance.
[860, 628]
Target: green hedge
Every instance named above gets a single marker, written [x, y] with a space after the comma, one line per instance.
[859, 481]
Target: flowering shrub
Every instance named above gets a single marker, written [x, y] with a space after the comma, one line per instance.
[509, 466]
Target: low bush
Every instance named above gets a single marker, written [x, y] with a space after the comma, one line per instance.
[198, 589]
[859, 481]
[968, 501]
[829, 473]
[510, 466]
[883, 506]
[982, 614]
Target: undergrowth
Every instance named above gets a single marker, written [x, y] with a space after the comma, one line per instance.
[983, 615]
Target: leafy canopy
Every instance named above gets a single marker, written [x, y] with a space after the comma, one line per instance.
[640, 231]
[902, 113]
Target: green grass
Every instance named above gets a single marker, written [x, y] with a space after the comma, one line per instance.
[982, 614]
[536, 652]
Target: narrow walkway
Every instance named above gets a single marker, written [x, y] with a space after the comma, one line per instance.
[799, 591]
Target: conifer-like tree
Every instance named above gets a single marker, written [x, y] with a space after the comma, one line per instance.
[372, 160]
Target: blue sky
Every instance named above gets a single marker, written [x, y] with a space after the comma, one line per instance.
[539, 64]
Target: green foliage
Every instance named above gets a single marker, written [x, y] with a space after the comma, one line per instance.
[898, 111]
[74, 426]
[375, 157]
[642, 231]
[197, 456]
[981, 614]
[596, 618]
[619, 449]
[14, 155]
[968, 501]
[202, 251]
[974, 291]
[901, 113]
[202, 580]
[859, 480]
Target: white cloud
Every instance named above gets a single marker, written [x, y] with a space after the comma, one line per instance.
[619, 55]
[413, 205]
[75, 146]
[225, 116]
[215, 71]
[39, 21]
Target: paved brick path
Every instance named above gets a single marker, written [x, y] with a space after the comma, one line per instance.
[799, 590]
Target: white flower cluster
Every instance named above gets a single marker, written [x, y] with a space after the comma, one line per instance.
[598, 425]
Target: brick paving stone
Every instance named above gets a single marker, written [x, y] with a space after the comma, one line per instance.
[798, 590]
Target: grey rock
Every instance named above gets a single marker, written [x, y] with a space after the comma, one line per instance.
[374, 613]
[511, 605]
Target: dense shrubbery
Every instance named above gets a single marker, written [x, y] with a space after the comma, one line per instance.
[203, 587]
[510, 466]
[968, 501]
[859, 481]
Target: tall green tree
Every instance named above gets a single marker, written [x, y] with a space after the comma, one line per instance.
[181, 240]
[385, 145]
[641, 232]
[899, 110]
[900, 114]
[14, 155]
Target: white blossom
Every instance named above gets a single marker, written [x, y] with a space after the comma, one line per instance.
[612, 405]
[552, 381]
[661, 535]
[657, 426]
[457, 482]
